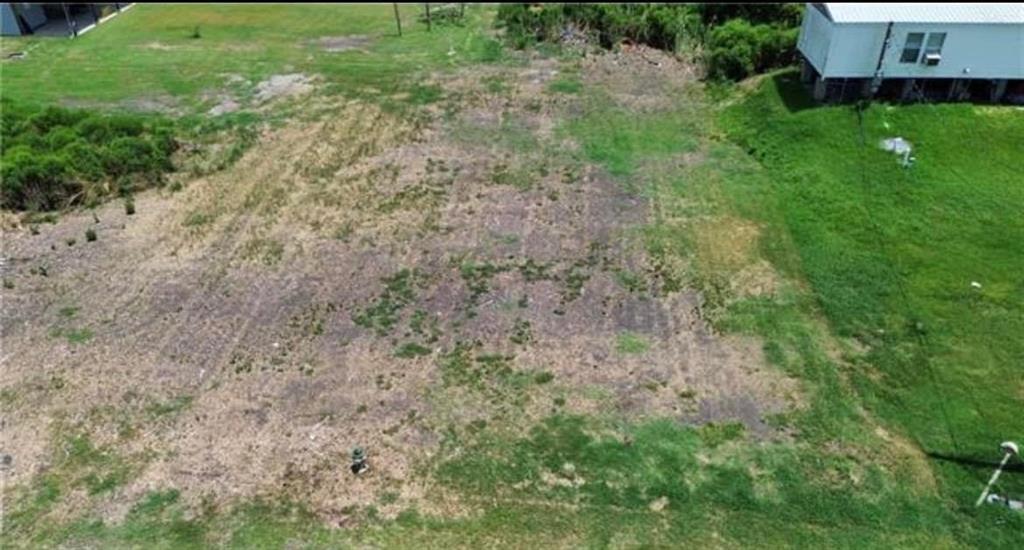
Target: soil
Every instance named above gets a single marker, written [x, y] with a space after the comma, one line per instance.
[283, 85]
[344, 43]
[242, 293]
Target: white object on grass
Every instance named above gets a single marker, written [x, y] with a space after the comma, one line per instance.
[900, 147]
[1009, 449]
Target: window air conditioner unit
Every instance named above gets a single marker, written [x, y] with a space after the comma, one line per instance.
[932, 59]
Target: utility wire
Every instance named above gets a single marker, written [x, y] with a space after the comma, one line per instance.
[921, 356]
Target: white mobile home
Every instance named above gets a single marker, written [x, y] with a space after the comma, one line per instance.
[935, 51]
[53, 19]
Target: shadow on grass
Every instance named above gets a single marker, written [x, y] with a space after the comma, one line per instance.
[1015, 466]
[792, 92]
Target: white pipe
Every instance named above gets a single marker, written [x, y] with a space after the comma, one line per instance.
[995, 476]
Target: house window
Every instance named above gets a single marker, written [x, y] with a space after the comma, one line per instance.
[935, 41]
[912, 47]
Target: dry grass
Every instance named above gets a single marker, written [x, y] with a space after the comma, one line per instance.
[240, 293]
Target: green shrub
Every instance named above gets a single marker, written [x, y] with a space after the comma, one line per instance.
[35, 181]
[54, 117]
[83, 159]
[740, 39]
[447, 14]
[779, 14]
[55, 157]
[657, 25]
[90, 235]
[739, 49]
[129, 155]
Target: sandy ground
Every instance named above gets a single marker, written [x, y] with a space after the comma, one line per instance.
[238, 296]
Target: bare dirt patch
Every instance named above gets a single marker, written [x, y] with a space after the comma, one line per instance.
[224, 106]
[640, 77]
[363, 279]
[344, 43]
[283, 85]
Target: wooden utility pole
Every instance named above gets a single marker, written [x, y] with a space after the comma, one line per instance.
[426, 7]
[398, 18]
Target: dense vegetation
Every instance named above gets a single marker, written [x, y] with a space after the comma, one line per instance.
[738, 39]
[54, 157]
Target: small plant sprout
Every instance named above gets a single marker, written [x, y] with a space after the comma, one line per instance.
[359, 464]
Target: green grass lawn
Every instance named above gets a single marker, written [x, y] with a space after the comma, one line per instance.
[875, 313]
[148, 53]
[891, 255]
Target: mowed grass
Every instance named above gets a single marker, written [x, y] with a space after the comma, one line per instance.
[874, 311]
[148, 53]
[892, 255]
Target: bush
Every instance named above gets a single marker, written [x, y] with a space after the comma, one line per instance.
[450, 14]
[740, 39]
[131, 155]
[738, 49]
[56, 157]
[35, 181]
[90, 234]
[658, 25]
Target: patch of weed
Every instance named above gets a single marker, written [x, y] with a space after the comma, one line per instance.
[521, 332]
[521, 178]
[170, 407]
[629, 342]
[630, 281]
[533, 271]
[197, 218]
[424, 95]
[425, 326]
[78, 335]
[496, 85]
[477, 277]
[566, 85]
[399, 292]
[410, 350]
[265, 251]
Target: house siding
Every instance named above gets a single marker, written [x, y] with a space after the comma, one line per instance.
[815, 38]
[986, 50]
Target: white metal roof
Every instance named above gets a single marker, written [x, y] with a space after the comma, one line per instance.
[926, 13]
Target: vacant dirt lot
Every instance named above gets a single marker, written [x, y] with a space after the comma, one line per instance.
[363, 279]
